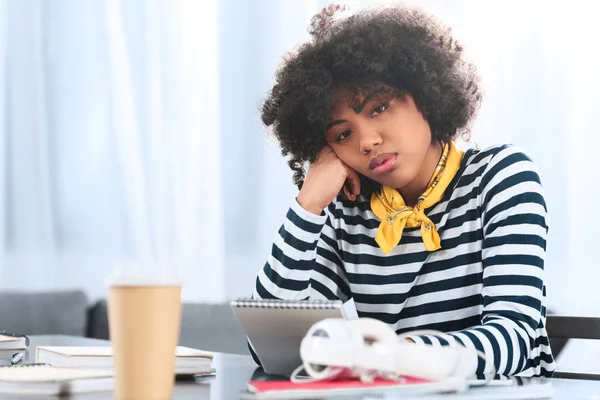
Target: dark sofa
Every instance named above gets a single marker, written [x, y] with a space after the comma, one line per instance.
[211, 327]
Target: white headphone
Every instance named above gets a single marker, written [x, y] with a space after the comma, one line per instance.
[366, 348]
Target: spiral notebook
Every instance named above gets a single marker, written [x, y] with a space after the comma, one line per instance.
[275, 328]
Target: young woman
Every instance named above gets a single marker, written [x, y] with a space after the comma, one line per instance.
[391, 213]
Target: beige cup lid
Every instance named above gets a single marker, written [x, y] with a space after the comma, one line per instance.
[143, 274]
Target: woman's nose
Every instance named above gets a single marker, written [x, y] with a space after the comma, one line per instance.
[368, 142]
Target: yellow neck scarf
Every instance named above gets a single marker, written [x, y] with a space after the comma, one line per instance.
[390, 207]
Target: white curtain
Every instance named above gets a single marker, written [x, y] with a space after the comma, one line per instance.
[110, 143]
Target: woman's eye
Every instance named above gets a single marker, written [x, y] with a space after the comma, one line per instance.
[379, 110]
[342, 136]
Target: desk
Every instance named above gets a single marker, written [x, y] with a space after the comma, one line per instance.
[233, 371]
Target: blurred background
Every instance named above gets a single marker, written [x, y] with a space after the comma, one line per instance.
[130, 130]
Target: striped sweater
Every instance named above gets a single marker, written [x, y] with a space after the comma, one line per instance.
[483, 289]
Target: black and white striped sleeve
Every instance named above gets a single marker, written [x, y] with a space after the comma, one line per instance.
[305, 261]
[514, 230]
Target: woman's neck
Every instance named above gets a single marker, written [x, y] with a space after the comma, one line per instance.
[411, 192]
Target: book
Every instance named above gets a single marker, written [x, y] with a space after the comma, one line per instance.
[12, 341]
[37, 379]
[406, 386]
[188, 361]
[275, 328]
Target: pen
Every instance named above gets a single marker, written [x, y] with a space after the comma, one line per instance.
[17, 358]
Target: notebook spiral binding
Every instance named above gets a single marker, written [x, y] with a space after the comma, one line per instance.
[15, 335]
[25, 365]
[288, 304]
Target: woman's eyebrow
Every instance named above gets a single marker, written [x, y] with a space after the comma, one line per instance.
[333, 123]
[357, 109]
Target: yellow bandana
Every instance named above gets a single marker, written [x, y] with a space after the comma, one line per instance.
[390, 207]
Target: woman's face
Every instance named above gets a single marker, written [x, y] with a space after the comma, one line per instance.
[383, 137]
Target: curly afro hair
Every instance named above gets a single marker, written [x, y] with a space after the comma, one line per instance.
[402, 49]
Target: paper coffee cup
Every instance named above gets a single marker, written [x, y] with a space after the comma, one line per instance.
[144, 307]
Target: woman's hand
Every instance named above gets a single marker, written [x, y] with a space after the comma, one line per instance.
[324, 180]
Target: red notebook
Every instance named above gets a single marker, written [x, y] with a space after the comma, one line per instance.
[284, 389]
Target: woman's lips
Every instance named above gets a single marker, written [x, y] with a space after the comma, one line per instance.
[383, 162]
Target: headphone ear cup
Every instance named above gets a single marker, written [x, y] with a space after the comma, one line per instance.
[328, 348]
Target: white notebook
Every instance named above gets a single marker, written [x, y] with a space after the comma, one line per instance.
[187, 360]
[275, 328]
[48, 380]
